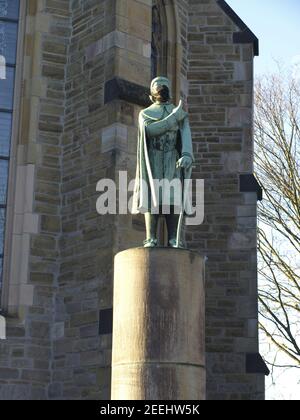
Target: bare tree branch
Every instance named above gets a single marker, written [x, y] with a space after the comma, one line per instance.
[277, 155]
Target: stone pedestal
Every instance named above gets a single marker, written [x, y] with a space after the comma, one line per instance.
[159, 325]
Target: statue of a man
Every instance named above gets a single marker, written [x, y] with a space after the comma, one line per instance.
[165, 152]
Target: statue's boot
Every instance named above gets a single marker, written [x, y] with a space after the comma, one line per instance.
[173, 243]
[172, 225]
[151, 221]
[150, 243]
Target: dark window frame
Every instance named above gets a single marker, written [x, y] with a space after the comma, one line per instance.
[4, 19]
[159, 43]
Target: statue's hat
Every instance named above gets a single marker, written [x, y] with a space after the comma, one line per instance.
[160, 81]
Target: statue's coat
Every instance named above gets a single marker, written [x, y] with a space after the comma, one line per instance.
[152, 114]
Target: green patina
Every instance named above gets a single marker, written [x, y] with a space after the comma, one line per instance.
[165, 152]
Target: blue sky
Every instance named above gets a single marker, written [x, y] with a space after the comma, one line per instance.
[277, 25]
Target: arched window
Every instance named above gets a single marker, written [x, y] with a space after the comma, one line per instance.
[9, 20]
[166, 44]
[159, 40]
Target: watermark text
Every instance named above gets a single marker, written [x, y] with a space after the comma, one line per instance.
[185, 196]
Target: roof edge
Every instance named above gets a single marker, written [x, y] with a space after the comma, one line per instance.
[245, 36]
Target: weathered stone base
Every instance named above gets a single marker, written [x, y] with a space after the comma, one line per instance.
[158, 337]
[159, 381]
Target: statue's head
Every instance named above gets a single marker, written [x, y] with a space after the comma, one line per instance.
[160, 90]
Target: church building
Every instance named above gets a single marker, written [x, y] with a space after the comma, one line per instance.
[75, 75]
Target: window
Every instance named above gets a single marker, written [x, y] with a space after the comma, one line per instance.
[159, 40]
[9, 18]
[166, 56]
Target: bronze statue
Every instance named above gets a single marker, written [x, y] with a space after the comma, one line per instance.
[165, 152]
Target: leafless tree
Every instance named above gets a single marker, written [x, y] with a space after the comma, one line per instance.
[277, 138]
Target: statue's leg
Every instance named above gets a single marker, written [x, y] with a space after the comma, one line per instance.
[172, 225]
[151, 221]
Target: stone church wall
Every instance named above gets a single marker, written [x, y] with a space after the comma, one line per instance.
[86, 71]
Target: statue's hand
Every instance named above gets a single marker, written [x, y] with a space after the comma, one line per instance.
[185, 162]
[179, 112]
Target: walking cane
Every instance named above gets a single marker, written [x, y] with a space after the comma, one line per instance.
[186, 174]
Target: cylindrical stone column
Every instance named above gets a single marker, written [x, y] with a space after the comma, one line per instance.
[159, 325]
